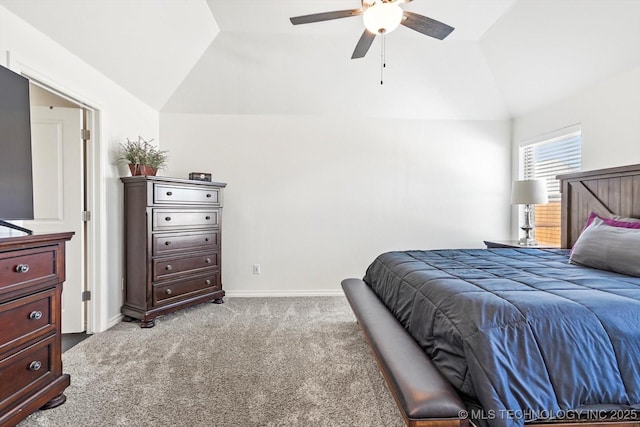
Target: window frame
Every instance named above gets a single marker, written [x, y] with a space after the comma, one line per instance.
[564, 134]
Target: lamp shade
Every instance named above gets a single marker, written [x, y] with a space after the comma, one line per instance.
[382, 17]
[529, 192]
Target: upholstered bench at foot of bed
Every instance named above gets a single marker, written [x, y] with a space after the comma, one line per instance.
[423, 396]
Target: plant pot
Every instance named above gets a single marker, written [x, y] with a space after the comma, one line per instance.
[138, 170]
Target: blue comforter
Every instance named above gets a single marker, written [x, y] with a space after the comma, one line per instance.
[524, 332]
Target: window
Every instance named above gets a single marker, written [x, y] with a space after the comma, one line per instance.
[545, 158]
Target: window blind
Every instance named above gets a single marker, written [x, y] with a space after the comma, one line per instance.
[545, 160]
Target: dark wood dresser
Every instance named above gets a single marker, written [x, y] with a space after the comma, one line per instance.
[172, 245]
[31, 276]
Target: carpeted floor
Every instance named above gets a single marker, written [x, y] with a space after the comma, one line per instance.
[247, 362]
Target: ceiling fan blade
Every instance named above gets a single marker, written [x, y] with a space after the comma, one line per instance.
[424, 25]
[325, 16]
[363, 45]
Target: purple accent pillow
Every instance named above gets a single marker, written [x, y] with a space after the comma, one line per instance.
[614, 222]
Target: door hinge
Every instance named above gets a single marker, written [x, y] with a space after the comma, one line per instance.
[86, 216]
[85, 134]
[86, 296]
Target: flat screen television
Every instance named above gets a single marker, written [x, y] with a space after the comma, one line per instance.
[16, 179]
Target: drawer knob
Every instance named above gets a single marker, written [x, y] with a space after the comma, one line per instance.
[167, 243]
[208, 260]
[207, 282]
[35, 365]
[168, 267]
[168, 292]
[22, 268]
[206, 239]
[35, 315]
[167, 218]
[169, 193]
[207, 217]
[209, 195]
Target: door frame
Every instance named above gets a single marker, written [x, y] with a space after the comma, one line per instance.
[95, 229]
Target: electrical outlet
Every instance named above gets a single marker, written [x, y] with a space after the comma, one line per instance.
[256, 269]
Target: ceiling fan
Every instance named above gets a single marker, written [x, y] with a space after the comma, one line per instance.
[381, 17]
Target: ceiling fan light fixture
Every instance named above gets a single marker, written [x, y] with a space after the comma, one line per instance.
[382, 17]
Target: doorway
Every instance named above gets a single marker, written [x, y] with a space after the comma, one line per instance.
[59, 127]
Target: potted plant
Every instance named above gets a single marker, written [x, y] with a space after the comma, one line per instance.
[143, 157]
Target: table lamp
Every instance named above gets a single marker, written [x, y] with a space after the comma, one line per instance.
[528, 193]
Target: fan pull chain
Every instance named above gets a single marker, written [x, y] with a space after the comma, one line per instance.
[383, 55]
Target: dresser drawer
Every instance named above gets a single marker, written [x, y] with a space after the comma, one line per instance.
[166, 244]
[27, 371]
[26, 318]
[173, 219]
[169, 292]
[173, 194]
[171, 267]
[19, 267]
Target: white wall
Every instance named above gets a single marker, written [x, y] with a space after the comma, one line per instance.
[314, 199]
[121, 115]
[610, 116]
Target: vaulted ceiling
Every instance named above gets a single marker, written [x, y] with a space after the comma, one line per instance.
[505, 57]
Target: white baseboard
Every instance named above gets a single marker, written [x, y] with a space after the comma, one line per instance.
[249, 294]
[274, 293]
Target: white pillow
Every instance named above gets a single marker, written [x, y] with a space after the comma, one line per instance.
[625, 218]
[609, 248]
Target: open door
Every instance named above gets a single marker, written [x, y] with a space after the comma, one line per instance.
[58, 187]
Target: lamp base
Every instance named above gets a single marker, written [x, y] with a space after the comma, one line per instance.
[528, 239]
[528, 242]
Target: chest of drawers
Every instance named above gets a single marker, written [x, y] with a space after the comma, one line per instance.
[172, 245]
[31, 276]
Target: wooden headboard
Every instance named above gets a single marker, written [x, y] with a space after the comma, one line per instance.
[607, 192]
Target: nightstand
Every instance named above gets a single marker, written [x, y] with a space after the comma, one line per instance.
[515, 244]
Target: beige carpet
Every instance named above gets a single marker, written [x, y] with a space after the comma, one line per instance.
[247, 362]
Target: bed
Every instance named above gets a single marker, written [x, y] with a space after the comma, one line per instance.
[559, 354]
